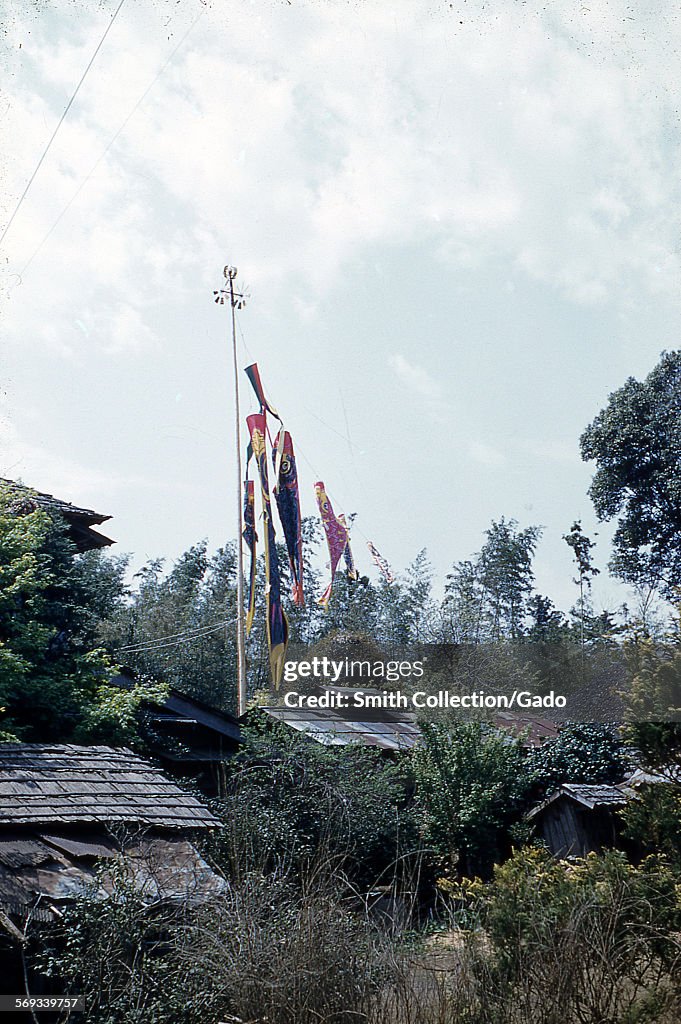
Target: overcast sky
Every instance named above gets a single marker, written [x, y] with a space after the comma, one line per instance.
[459, 226]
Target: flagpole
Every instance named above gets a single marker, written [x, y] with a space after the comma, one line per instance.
[230, 274]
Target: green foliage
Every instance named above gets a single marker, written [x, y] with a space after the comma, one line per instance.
[470, 786]
[185, 609]
[652, 821]
[654, 692]
[114, 951]
[582, 752]
[263, 949]
[590, 941]
[288, 798]
[488, 597]
[52, 670]
[532, 893]
[635, 442]
[653, 701]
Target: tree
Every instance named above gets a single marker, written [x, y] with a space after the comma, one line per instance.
[636, 444]
[488, 596]
[653, 703]
[470, 785]
[581, 548]
[582, 752]
[53, 672]
[293, 801]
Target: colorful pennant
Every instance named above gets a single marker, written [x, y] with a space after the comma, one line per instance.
[251, 538]
[382, 564]
[277, 625]
[350, 568]
[336, 536]
[253, 375]
[288, 503]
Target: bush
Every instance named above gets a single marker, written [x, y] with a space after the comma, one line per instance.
[266, 949]
[652, 821]
[591, 942]
[471, 781]
[582, 752]
[289, 800]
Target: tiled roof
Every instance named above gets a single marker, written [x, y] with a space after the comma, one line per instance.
[63, 784]
[80, 520]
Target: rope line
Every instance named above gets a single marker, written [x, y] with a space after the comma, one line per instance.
[152, 645]
[59, 123]
[121, 128]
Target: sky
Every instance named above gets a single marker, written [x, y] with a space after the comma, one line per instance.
[457, 223]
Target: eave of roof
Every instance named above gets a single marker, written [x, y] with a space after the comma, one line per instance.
[80, 520]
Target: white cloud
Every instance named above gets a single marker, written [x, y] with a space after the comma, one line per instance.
[47, 469]
[485, 454]
[419, 382]
[300, 138]
[309, 143]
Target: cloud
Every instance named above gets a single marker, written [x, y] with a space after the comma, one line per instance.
[485, 454]
[420, 382]
[47, 469]
[304, 138]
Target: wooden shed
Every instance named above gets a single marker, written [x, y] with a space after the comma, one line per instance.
[579, 819]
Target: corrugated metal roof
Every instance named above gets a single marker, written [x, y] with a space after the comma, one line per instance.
[332, 728]
[160, 868]
[44, 785]
[86, 846]
[389, 728]
[533, 729]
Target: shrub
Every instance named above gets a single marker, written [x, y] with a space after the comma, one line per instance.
[289, 799]
[266, 949]
[470, 785]
[591, 941]
[582, 752]
[652, 821]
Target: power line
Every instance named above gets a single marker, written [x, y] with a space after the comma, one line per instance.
[187, 635]
[109, 145]
[60, 122]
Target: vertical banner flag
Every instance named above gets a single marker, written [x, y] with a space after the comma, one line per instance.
[350, 568]
[336, 536]
[253, 375]
[251, 538]
[277, 625]
[382, 564]
[288, 504]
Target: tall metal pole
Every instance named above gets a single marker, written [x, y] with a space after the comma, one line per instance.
[230, 274]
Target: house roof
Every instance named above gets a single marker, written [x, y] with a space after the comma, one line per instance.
[591, 796]
[80, 520]
[42, 871]
[55, 785]
[533, 730]
[330, 727]
[389, 728]
[186, 731]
